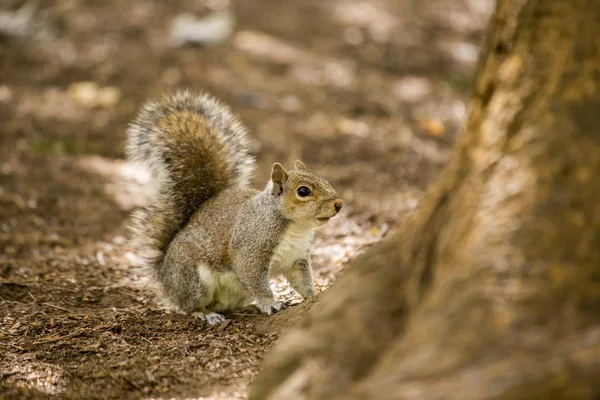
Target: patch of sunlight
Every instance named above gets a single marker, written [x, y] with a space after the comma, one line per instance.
[481, 7]
[412, 88]
[462, 52]
[126, 183]
[267, 47]
[53, 103]
[231, 394]
[26, 373]
[378, 22]
[307, 67]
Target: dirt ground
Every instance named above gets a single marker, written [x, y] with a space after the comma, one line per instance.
[370, 94]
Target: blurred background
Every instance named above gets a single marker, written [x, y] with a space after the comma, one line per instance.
[374, 91]
[371, 94]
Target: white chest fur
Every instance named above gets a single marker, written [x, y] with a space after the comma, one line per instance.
[295, 244]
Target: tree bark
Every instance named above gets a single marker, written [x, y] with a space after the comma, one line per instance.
[492, 290]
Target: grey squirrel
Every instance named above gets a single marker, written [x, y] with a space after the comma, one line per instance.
[210, 241]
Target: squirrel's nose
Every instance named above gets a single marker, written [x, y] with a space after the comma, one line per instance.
[338, 204]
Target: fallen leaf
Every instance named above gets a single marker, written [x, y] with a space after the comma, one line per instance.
[433, 127]
[223, 325]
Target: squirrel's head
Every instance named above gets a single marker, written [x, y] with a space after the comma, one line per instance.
[305, 196]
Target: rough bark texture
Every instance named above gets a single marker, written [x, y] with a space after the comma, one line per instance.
[493, 289]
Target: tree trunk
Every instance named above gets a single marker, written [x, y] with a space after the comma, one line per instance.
[493, 289]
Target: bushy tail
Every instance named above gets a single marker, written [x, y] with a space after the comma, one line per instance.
[194, 147]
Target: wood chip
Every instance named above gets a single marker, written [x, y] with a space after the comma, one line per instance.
[223, 325]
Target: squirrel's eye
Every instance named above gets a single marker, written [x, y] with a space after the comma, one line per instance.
[303, 191]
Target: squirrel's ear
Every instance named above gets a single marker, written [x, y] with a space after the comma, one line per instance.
[299, 165]
[278, 175]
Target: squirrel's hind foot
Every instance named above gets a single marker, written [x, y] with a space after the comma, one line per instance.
[211, 318]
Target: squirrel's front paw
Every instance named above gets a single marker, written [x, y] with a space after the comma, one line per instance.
[306, 292]
[271, 306]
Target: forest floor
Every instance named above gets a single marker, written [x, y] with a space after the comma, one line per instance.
[370, 94]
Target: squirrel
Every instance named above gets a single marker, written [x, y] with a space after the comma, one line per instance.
[209, 240]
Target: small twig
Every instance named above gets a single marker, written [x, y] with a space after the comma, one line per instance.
[56, 339]
[57, 307]
[143, 338]
[367, 242]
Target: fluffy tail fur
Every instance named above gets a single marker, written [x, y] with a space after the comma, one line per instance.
[194, 147]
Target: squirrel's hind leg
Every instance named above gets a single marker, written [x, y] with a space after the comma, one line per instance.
[188, 284]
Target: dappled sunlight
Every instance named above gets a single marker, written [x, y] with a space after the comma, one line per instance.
[228, 394]
[25, 372]
[306, 67]
[367, 93]
[126, 183]
[264, 46]
[462, 52]
[371, 15]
